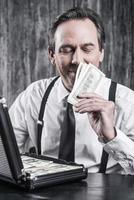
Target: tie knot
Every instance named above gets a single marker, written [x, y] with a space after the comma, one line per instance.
[65, 102]
[70, 107]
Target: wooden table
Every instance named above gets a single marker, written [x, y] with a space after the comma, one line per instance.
[95, 187]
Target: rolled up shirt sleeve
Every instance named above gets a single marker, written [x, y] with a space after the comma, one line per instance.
[121, 148]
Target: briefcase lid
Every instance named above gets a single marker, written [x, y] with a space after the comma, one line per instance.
[12, 165]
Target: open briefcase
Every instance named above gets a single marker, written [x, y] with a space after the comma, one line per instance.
[31, 171]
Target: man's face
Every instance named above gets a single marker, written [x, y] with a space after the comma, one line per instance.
[75, 41]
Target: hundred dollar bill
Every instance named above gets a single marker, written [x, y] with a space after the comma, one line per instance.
[87, 79]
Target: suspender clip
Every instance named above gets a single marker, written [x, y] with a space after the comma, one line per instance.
[40, 123]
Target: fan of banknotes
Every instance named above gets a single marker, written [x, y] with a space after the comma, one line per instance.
[88, 77]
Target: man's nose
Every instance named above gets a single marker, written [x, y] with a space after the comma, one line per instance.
[77, 57]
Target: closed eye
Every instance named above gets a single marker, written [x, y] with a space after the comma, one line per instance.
[66, 49]
[88, 48]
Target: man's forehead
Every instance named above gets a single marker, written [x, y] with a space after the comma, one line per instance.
[75, 22]
[72, 30]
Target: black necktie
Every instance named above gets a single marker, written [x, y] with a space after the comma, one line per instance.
[67, 139]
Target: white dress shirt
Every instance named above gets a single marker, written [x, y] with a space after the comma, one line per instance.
[88, 148]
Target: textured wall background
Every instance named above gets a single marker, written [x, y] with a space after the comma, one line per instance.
[24, 26]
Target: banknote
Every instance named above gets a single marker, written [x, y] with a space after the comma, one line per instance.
[88, 77]
[37, 167]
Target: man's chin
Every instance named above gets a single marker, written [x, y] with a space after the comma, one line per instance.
[72, 76]
[71, 82]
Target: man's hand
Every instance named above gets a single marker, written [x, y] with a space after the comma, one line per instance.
[100, 114]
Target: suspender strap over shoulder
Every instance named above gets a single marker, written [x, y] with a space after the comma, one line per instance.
[41, 113]
[112, 91]
[104, 158]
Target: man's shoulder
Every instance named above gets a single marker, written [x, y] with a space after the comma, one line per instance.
[124, 94]
[42, 83]
[39, 86]
[124, 90]
[35, 91]
[32, 95]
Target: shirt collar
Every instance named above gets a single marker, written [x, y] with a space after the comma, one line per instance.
[62, 92]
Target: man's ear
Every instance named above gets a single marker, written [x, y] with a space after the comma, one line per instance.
[101, 55]
[51, 55]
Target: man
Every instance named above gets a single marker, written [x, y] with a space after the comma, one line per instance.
[78, 36]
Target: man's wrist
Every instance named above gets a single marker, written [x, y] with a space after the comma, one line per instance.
[110, 137]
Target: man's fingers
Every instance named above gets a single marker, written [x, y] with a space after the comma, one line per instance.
[89, 101]
[89, 107]
[97, 105]
[89, 95]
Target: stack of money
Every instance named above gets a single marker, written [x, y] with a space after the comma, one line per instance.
[88, 77]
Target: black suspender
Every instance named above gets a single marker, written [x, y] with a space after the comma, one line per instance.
[112, 92]
[104, 158]
[41, 113]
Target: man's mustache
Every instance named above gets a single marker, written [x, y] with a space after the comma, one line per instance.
[73, 67]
